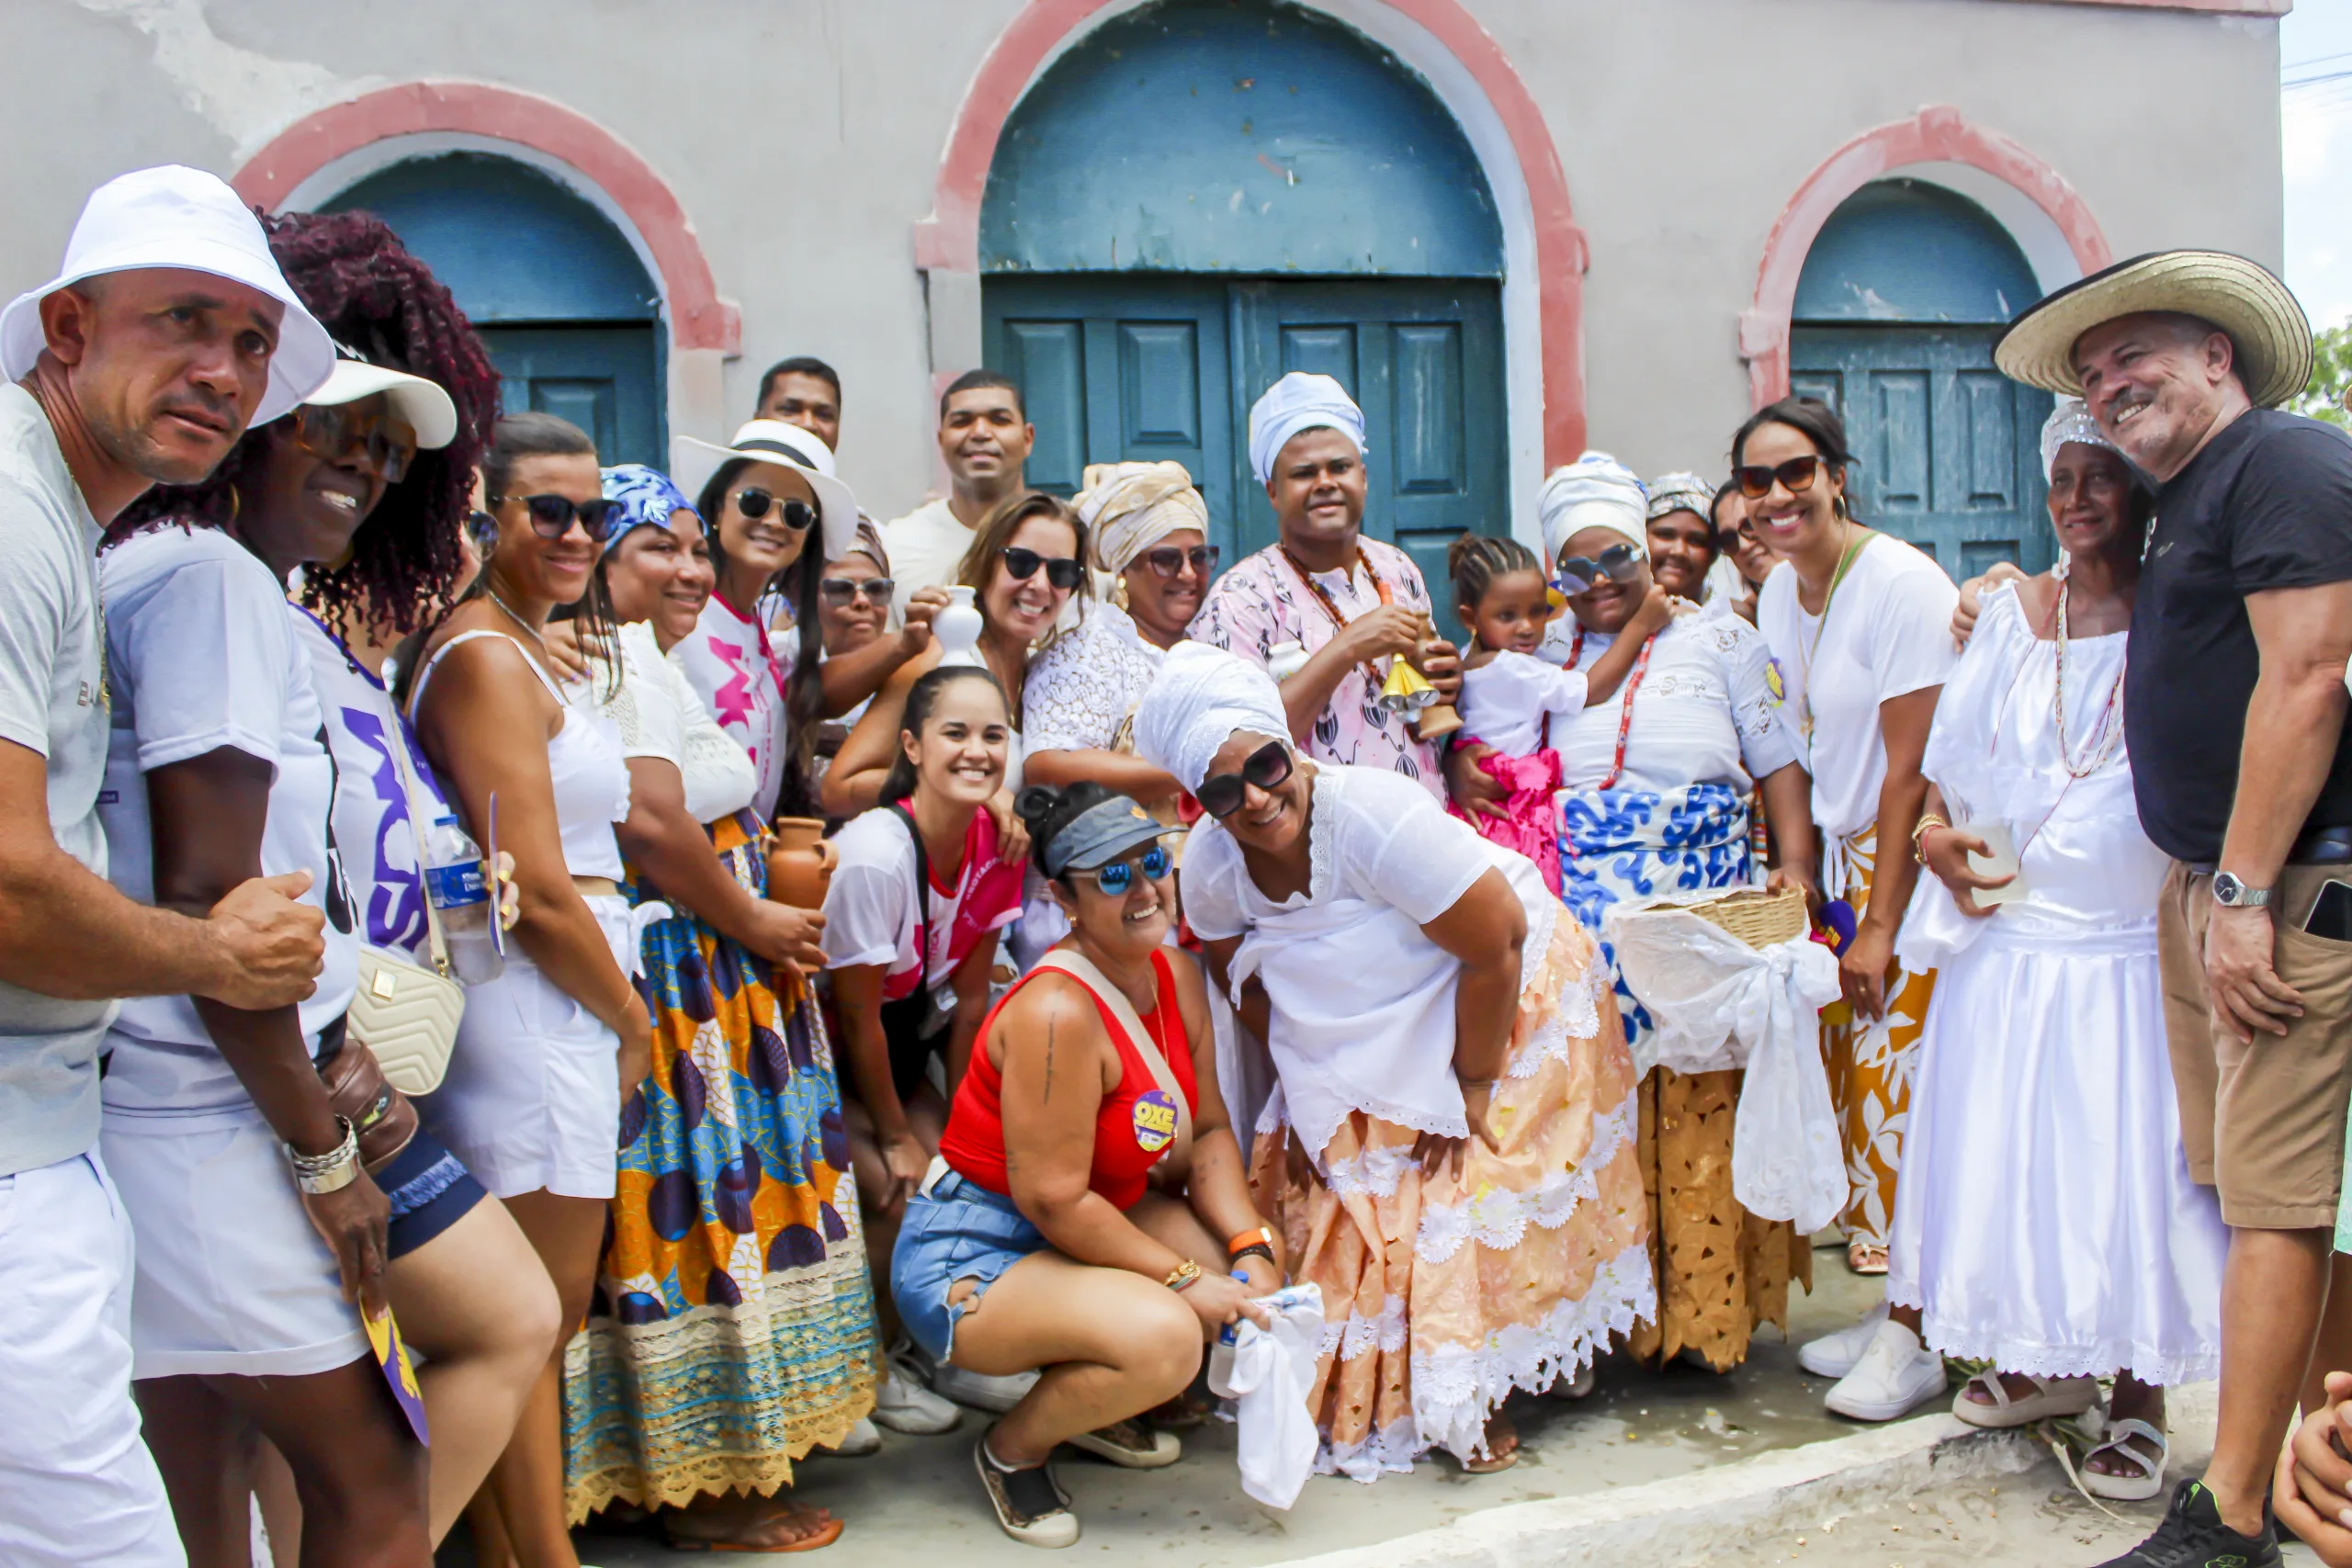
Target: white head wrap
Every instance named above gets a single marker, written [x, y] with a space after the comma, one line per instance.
[1299, 401]
[1202, 697]
[2069, 420]
[1129, 507]
[1680, 492]
[1594, 491]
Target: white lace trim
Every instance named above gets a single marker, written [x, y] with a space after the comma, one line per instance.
[1372, 1174]
[1356, 1334]
[1081, 689]
[1387, 1450]
[1321, 847]
[2101, 1358]
[1496, 1218]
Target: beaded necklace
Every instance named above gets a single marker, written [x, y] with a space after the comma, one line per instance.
[1330, 606]
[2106, 732]
[1625, 694]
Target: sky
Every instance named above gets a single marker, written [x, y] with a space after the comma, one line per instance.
[2315, 43]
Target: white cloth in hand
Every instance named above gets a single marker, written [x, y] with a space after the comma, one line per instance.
[1272, 1372]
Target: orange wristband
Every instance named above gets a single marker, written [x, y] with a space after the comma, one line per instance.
[1261, 1236]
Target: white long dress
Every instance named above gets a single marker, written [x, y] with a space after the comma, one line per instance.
[2046, 1221]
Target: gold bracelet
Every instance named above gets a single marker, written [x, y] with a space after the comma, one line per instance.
[1183, 1275]
[1927, 824]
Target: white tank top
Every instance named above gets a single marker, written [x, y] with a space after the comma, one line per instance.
[585, 764]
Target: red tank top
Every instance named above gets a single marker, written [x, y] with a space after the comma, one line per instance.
[1134, 1128]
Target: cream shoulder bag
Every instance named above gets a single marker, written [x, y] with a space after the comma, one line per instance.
[403, 1012]
[1177, 1163]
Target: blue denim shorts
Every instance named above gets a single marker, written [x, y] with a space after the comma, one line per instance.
[959, 1230]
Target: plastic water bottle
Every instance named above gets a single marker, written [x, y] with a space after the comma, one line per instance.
[461, 897]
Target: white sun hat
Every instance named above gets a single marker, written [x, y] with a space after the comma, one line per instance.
[788, 446]
[427, 408]
[185, 218]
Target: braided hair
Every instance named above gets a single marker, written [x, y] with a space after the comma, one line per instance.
[1475, 560]
[372, 294]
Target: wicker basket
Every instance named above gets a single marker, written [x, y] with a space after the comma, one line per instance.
[1756, 918]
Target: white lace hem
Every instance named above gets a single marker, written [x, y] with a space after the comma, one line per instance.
[2098, 1358]
[1387, 1450]
[1498, 1219]
[1356, 1335]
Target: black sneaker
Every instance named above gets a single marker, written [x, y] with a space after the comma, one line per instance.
[1030, 1504]
[2193, 1536]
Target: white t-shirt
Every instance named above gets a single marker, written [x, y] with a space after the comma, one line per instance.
[201, 652]
[742, 675]
[872, 911]
[927, 549]
[1704, 712]
[1504, 701]
[656, 712]
[52, 680]
[1885, 633]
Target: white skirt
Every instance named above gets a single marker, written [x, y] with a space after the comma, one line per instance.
[230, 1278]
[2044, 1220]
[532, 1101]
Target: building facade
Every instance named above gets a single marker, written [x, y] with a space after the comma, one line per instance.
[1516, 228]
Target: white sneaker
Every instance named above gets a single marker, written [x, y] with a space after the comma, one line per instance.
[1834, 1355]
[1895, 1376]
[903, 1405]
[858, 1442]
[980, 1391]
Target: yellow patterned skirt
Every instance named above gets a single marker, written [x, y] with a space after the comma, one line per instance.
[1871, 1068]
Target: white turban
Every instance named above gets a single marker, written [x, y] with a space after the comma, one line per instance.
[1594, 491]
[1202, 698]
[1129, 507]
[2069, 420]
[1299, 401]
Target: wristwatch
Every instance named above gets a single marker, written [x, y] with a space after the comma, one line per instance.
[2232, 894]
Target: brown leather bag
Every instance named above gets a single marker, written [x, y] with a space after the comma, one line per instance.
[357, 1089]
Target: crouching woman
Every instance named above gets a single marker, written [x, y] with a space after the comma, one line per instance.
[1088, 1215]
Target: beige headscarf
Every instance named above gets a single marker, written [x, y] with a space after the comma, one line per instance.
[1129, 507]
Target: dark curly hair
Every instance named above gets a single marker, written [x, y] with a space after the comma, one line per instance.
[371, 294]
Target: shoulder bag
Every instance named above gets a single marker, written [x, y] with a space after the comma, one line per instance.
[1177, 1163]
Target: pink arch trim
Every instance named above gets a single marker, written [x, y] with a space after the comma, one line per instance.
[949, 239]
[698, 317]
[1938, 134]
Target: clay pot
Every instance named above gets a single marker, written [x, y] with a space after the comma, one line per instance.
[800, 862]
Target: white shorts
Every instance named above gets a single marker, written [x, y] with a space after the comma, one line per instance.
[532, 1101]
[77, 1484]
[233, 1281]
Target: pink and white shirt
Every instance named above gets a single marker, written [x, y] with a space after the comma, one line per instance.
[741, 676]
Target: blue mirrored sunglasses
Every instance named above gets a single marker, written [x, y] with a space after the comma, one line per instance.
[1120, 874]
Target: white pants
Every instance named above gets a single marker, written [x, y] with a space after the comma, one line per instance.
[77, 1485]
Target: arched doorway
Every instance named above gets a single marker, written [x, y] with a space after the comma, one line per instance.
[1902, 295]
[1202, 195]
[567, 309]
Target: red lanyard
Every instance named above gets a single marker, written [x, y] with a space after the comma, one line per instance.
[1625, 694]
[1330, 606]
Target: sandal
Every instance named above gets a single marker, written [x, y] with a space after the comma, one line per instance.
[826, 1535]
[2126, 1488]
[1865, 1256]
[2050, 1396]
[1493, 1463]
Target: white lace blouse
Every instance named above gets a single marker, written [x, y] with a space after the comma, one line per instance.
[1081, 691]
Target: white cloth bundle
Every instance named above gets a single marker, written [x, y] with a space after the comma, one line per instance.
[1718, 1003]
[1272, 1374]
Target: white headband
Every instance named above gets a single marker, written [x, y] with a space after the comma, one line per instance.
[1296, 402]
[1594, 491]
[2070, 421]
[1202, 698]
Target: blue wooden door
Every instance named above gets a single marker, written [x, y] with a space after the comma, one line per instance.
[1949, 448]
[598, 376]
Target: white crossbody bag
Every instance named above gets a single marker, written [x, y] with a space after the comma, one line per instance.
[1176, 1164]
[403, 1012]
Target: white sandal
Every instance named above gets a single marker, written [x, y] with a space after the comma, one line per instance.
[2126, 1488]
[2050, 1396]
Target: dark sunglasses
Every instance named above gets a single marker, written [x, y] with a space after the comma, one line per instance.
[753, 504]
[332, 430]
[1616, 563]
[1120, 874]
[1064, 572]
[1169, 561]
[552, 515]
[840, 591]
[1267, 767]
[1797, 476]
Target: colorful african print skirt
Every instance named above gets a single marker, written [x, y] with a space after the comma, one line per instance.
[732, 1327]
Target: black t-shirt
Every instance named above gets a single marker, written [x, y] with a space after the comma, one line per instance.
[2267, 504]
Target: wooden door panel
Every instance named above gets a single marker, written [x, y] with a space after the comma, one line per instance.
[1048, 359]
[1159, 385]
[599, 377]
[1427, 360]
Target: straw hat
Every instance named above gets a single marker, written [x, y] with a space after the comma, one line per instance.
[2271, 334]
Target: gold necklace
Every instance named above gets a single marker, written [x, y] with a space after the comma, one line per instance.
[1846, 557]
[529, 629]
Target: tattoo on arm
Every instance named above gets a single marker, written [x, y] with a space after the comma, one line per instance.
[1049, 1057]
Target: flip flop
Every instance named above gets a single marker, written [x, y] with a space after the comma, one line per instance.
[1865, 1256]
[2050, 1396]
[825, 1537]
[2126, 1488]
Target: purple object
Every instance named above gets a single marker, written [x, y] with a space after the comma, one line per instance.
[1837, 918]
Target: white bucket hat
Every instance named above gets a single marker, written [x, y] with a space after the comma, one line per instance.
[428, 409]
[181, 218]
[788, 446]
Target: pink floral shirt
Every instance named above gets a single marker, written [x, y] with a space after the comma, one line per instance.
[741, 676]
[1262, 603]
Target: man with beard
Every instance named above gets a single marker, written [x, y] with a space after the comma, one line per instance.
[984, 437]
[168, 332]
[2234, 717]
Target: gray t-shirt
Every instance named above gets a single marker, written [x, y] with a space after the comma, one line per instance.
[52, 701]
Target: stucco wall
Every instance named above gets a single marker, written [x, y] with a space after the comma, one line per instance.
[802, 138]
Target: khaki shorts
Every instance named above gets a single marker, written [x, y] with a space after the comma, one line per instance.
[2262, 1124]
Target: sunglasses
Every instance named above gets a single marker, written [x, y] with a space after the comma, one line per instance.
[552, 515]
[1120, 874]
[753, 504]
[840, 591]
[1169, 561]
[1267, 767]
[332, 430]
[1796, 477]
[1065, 573]
[1616, 563]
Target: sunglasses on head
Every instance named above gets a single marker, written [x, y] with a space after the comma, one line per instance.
[1797, 476]
[1167, 560]
[552, 515]
[840, 591]
[753, 504]
[331, 431]
[1267, 767]
[1120, 874]
[1616, 563]
[1064, 572]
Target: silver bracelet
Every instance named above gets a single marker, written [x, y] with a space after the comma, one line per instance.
[318, 1175]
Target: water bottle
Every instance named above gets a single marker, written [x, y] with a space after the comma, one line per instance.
[461, 897]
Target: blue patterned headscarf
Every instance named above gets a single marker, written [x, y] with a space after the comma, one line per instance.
[647, 498]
